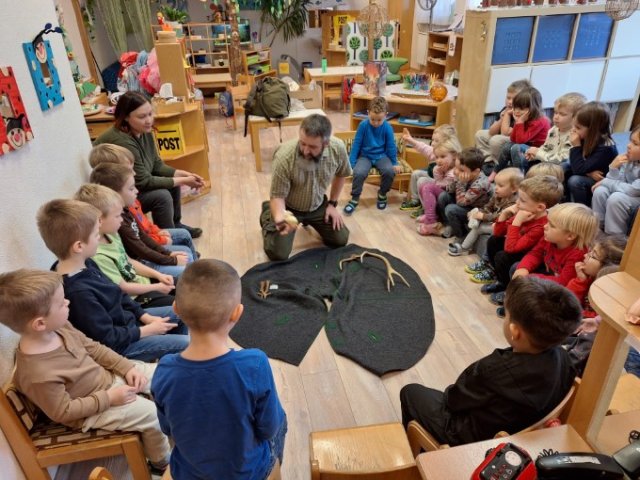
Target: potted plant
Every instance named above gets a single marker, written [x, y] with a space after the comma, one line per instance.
[174, 18]
[278, 17]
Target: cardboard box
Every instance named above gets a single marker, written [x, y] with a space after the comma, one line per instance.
[309, 98]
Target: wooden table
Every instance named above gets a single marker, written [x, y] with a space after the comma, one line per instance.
[212, 80]
[318, 74]
[256, 123]
[458, 463]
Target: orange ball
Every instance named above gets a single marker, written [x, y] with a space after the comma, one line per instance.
[438, 92]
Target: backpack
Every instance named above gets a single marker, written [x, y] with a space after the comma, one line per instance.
[225, 104]
[268, 98]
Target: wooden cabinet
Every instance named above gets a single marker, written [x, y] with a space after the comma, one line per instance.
[405, 107]
[332, 33]
[256, 64]
[561, 49]
[173, 66]
[208, 46]
[191, 151]
[438, 60]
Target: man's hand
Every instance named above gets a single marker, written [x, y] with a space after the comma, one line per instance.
[136, 379]
[596, 175]
[181, 257]
[521, 272]
[332, 215]
[121, 395]
[157, 328]
[522, 217]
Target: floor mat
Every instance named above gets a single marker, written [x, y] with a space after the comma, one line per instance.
[381, 330]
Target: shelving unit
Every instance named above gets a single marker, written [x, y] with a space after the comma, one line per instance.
[438, 61]
[195, 153]
[441, 112]
[208, 50]
[256, 64]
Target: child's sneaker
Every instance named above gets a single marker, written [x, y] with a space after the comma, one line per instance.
[410, 205]
[417, 212]
[500, 312]
[492, 287]
[485, 276]
[382, 202]
[477, 267]
[428, 228]
[350, 207]
[457, 249]
[497, 298]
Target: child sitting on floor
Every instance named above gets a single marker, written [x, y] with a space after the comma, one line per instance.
[440, 134]
[170, 237]
[373, 146]
[616, 197]
[511, 388]
[481, 219]
[219, 405]
[430, 188]
[570, 230]
[75, 381]
[470, 189]
[546, 168]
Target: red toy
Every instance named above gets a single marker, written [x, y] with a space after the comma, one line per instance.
[506, 462]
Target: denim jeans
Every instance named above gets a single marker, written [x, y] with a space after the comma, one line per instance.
[276, 445]
[174, 270]
[457, 219]
[149, 349]
[361, 172]
[577, 187]
[180, 236]
[632, 364]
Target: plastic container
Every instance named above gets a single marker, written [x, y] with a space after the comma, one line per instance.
[324, 65]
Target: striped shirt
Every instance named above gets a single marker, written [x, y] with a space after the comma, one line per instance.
[303, 183]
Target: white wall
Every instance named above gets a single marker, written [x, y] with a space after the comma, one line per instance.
[53, 164]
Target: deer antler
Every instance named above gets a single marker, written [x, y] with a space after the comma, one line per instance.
[390, 270]
[264, 289]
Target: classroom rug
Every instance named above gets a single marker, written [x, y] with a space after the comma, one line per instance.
[382, 330]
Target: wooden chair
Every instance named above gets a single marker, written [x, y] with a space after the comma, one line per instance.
[100, 473]
[332, 88]
[239, 94]
[373, 452]
[419, 438]
[274, 475]
[401, 180]
[38, 443]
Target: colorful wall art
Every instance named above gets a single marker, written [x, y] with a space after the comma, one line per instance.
[15, 130]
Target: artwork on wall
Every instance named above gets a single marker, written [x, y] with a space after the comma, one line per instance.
[14, 129]
[358, 49]
[375, 77]
[43, 69]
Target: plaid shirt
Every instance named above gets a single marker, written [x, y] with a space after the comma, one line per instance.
[303, 183]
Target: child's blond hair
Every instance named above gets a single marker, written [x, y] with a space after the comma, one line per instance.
[575, 218]
[110, 153]
[101, 197]
[543, 189]
[511, 175]
[26, 295]
[62, 222]
[546, 168]
[449, 145]
[112, 175]
[445, 130]
[378, 105]
[207, 293]
[572, 100]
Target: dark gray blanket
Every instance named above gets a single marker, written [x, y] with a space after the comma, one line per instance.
[382, 331]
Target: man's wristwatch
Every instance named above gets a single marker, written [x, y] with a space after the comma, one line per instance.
[333, 202]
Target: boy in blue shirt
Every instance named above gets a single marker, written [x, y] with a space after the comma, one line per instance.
[373, 146]
[220, 406]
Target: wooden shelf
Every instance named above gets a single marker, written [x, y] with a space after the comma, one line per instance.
[202, 42]
[247, 67]
[189, 150]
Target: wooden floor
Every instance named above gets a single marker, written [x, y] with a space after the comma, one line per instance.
[329, 391]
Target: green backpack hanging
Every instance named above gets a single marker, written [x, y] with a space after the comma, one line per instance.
[268, 98]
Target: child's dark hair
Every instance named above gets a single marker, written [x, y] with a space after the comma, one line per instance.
[529, 98]
[610, 249]
[515, 87]
[595, 117]
[378, 105]
[546, 311]
[472, 158]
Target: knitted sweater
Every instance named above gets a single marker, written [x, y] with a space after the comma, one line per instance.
[531, 132]
[374, 143]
